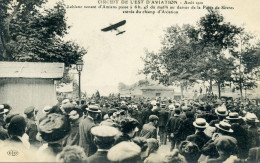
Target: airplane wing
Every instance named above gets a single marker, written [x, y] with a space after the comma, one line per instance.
[120, 33]
[114, 26]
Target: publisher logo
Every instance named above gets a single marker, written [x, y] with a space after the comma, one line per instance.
[12, 152]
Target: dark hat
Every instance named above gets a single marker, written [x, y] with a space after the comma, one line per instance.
[29, 110]
[111, 111]
[104, 131]
[153, 117]
[224, 126]
[221, 111]
[54, 127]
[233, 116]
[124, 152]
[200, 123]
[17, 125]
[93, 108]
[177, 111]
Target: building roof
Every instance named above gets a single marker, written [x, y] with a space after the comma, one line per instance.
[31, 70]
[157, 87]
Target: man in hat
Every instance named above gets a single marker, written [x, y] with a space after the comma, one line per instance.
[223, 129]
[174, 128]
[149, 130]
[104, 138]
[221, 112]
[85, 137]
[239, 133]
[31, 126]
[75, 117]
[163, 119]
[199, 138]
[252, 129]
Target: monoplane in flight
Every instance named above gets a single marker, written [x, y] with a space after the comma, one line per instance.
[114, 27]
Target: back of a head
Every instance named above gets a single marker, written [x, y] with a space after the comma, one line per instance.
[226, 144]
[124, 152]
[71, 154]
[189, 150]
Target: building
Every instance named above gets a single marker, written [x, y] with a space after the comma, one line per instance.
[24, 84]
[157, 91]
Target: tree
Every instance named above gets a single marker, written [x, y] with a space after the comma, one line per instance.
[31, 33]
[216, 37]
[247, 55]
[190, 53]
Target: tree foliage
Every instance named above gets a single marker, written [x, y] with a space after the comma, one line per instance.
[191, 53]
[31, 33]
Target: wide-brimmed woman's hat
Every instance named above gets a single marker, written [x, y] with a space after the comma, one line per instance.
[221, 110]
[93, 108]
[224, 126]
[233, 116]
[200, 123]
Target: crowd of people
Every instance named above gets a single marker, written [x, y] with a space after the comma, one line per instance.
[118, 130]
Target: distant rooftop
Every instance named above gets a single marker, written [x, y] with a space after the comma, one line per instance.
[157, 87]
[31, 70]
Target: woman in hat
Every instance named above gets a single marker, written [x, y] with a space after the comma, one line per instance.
[128, 129]
[53, 129]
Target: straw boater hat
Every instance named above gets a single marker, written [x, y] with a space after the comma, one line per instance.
[251, 117]
[233, 116]
[93, 108]
[221, 110]
[200, 123]
[224, 126]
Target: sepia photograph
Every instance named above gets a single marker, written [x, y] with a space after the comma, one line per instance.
[130, 81]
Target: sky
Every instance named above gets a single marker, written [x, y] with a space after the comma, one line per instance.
[112, 59]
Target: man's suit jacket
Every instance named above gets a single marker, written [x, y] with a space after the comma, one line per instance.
[98, 157]
[175, 126]
[163, 117]
[149, 131]
[199, 138]
[85, 137]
